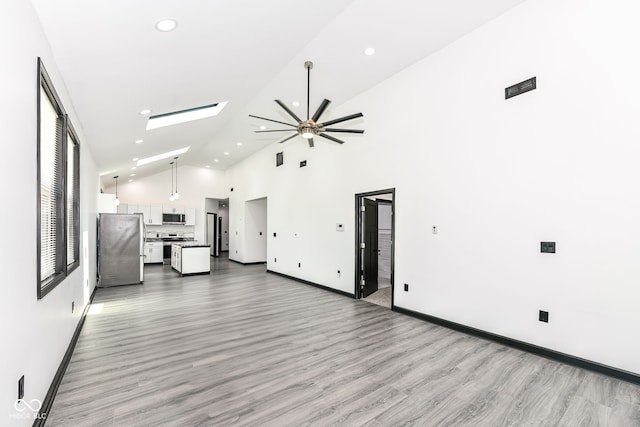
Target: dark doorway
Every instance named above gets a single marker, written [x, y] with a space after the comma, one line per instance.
[213, 234]
[369, 254]
[219, 234]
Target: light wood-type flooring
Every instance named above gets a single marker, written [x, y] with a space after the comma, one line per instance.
[244, 347]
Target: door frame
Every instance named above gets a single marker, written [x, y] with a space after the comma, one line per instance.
[358, 232]
[216, 251]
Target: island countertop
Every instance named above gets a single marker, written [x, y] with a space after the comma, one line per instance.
[191, 244]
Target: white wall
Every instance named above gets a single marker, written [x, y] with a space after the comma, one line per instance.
[34, 333]
[196, 184]
[496, 176]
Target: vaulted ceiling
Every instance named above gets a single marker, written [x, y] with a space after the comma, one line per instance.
[115, 63]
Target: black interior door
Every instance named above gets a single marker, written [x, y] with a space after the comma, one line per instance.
[219, 234]
[370, 256]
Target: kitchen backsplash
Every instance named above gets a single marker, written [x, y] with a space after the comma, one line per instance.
[186, 231]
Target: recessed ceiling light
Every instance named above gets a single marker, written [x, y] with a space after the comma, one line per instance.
[145, 112]
[130, 180]
[173, 118]
[239, 144]
[133, 168]
[295, 103]
[226, 153]
[165, 25]
[135, 159]
[162, 156]
[207, 166]
[216, 160]
[139, 141]
[262, 127]
[133, 174]
[369, 51]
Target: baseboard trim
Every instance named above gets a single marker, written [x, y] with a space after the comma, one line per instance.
[315, 285]
[47, 403]
[530, 348]
[247, 263]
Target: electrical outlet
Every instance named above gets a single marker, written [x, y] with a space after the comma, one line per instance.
[275, 260]
[21, 387]
[298, 265]
[406, 287]
[543, 316]
[274, 234]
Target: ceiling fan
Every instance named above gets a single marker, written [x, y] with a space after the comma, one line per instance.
[311, 127]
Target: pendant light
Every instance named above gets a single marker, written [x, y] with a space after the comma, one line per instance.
[171, 198]
[176, 195]
[116, 201]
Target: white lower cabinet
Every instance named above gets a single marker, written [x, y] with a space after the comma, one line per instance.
[153, 252]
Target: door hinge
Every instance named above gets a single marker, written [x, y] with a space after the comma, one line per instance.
[362, 245]
[362, 208]
[362, 283]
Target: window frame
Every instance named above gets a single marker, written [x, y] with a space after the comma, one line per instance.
[75, 205]
[63, 133]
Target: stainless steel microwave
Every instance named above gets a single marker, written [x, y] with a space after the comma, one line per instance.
[173, 218]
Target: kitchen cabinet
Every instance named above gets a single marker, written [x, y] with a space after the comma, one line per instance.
[190, 258]
[153, 252]
[123, 208]
[176, 257]
[132, 209]
[190, 216]
[172, 209]
[152, 215]
[145, 211]
[155, 215]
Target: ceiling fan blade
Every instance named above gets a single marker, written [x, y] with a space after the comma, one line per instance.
[341, 119]
[271, 120]
[343, 130]
[323, 106]
[324, 135]
[310, 142]
[275, 130]
[291, 113]
[288, 138]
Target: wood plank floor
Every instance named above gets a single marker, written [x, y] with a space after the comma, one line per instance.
[243, 347]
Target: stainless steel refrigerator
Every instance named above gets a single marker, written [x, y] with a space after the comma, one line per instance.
[120, 249]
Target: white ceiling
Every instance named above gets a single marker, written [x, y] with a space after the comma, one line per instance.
[247, 52]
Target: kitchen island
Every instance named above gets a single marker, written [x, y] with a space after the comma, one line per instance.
[191, 258]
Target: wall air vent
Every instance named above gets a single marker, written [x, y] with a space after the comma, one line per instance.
[520, 88]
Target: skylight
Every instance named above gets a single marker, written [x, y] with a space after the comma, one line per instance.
[169, 119]
[161, 156]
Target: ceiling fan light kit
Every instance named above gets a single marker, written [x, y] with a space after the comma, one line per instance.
[311, 127]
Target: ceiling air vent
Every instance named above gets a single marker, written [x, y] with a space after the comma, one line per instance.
[520, 88]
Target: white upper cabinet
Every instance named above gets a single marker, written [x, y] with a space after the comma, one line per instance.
[123, 208]
[155, 215]
[145, 211]
[190, 216]
[131, 209]
[172, 209]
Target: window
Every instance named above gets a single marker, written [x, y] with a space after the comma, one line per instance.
[58, 189]
[73, 202]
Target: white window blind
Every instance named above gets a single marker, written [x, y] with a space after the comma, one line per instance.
[71, 199]
[50, 185]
